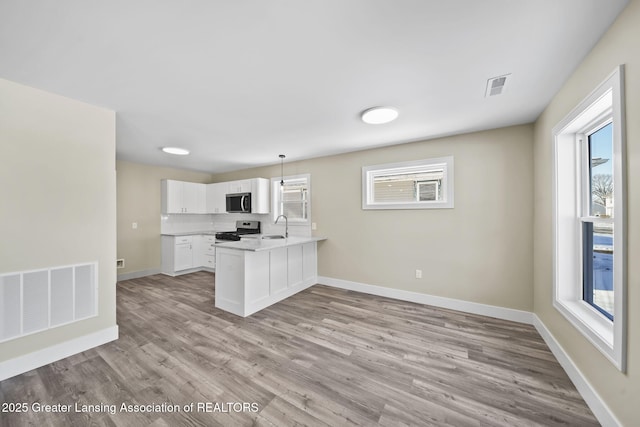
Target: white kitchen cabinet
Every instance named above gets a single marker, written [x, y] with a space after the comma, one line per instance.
[198, 250]
[252, 275]
[186, 254]
[241, 186]
[208, 252]
[183, 257]
[177, 254]
[216, 197]
[259, 189]
[183, 197]
[260, 200]
[195, 198]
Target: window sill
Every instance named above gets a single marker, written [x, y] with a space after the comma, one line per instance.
[592, 324]
[423, 205]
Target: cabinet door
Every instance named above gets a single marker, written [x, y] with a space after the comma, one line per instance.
[198, 251]
[172, 196]
[216, 197]
[242, 186]
[221, 198]
[201, 198]
[260, 201]
[183, 256]
[193, 197]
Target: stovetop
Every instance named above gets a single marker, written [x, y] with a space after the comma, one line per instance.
[242, 228]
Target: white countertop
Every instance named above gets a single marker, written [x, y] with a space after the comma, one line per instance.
[258, 244]
[191, 233]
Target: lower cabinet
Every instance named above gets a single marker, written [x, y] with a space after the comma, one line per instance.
[183, 256]
[208, 252]
[248, 281]
[186, 254]
[177, 254]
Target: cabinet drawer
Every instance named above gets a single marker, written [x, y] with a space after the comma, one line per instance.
[209, 261]
[209, 249]
[209, 239]
[179, 240]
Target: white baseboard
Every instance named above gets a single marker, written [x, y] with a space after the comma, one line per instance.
[586, 390]
[137, 274]
[450, 303]
[19, 365]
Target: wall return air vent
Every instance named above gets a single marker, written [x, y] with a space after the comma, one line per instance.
[495, 85]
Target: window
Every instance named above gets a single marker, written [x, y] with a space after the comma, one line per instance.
[597, 217]
[292, 199]
[589, 227]
[422, 184]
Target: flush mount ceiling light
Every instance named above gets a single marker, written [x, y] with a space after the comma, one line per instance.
[175, 150]
[379, 115]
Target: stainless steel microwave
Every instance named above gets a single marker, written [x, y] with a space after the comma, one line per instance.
[239, 202]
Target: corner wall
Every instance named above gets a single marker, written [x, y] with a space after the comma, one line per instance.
[618, 46]
[139, 201]
[57, 202]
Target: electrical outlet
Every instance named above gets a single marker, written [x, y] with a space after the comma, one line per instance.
[120, 263]
[134, 225]
[313, 226]
[418, 274]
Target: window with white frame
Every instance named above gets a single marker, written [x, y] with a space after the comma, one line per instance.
[420, 184]
[589, 226]
[292, 198]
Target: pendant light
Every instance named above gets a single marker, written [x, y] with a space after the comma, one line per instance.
[282, 156]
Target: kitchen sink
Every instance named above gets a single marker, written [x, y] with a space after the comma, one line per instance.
[273, 236]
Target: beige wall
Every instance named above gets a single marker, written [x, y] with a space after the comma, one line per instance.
[618, 46]
[481, 251]
[139, 201]
[57, 198]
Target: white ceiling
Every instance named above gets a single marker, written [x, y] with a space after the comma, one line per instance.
[239, 82]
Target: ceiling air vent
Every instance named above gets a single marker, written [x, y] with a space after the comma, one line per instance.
[495, 85]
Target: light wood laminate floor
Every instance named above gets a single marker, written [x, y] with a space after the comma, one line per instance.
[324, 357]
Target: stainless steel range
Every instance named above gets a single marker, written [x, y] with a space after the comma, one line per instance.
[242, 228]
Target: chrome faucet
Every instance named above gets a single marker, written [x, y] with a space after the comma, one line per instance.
[286, 225]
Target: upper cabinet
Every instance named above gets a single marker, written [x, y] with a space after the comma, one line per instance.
[260, 201]
[258, 187]
[179, 197]
[183, 197]
[242, 186]
[216, 193]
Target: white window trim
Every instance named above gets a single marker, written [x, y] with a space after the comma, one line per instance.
[610, 337]
[275, 200]
[446, 187]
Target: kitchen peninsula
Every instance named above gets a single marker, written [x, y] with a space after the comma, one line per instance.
[254, 273]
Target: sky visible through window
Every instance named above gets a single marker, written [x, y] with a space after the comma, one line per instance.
[601, 142]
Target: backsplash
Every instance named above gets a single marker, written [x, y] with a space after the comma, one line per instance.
[181, 223]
